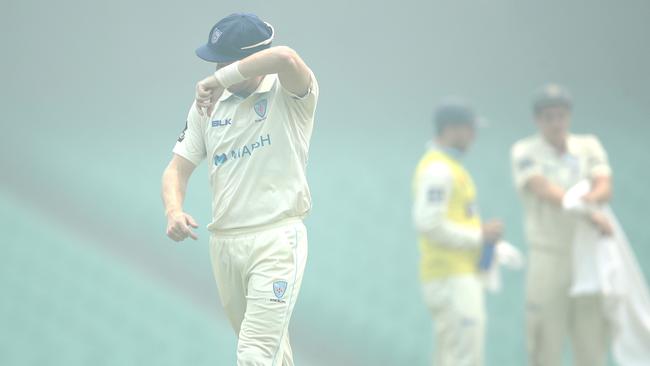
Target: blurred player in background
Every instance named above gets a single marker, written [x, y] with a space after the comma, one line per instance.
[545, 166]
[253, 120]
[451, 237]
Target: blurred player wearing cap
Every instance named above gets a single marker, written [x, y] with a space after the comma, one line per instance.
[545, 166]
[451, 238]
[252, 120]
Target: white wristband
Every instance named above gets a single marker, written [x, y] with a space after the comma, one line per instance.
[229, 75]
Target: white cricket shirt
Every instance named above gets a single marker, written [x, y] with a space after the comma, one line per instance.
[257, 154]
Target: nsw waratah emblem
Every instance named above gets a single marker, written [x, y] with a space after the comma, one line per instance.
[279, 289]
[260, 107]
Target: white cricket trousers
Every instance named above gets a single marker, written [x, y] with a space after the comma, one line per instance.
[458, 310]
[258, 274]
[552, 315]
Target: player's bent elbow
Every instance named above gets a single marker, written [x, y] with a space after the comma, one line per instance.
[286, 52]
[288, 57]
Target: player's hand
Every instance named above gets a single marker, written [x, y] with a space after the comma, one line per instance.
[602, 223]
[179, 226]
[492, 231]
[208, 92]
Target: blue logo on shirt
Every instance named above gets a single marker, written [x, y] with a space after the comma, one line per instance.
[436, 194]
[244, 151]
[222, 122]
[220, 159]
[525, 163]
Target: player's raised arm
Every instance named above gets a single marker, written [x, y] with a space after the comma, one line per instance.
[294, 74]
[292, 71]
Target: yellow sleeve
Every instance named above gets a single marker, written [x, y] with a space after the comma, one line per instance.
[433, 190]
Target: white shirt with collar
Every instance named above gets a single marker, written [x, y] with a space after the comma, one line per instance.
[257, 151]
[585, 158]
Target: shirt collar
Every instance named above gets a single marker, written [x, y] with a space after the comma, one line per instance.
[570, 146]
[265, 86]
[455, 154]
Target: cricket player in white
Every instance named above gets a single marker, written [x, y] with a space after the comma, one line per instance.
[253, 121]
[545, 166]
[451, 238]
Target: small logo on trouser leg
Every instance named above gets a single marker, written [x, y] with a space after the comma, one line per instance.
[279, 289]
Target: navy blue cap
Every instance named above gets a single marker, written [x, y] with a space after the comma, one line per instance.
[551, 95]
[235, 37]
[454, 111]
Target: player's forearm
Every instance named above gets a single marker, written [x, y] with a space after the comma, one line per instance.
[601, 191]
[293, 73]
[545, 190]
[456, 236]
[452, 235]
[173, 190]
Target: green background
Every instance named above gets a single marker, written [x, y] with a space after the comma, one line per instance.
[94, 94]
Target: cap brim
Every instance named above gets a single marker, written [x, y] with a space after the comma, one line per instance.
[207, 54]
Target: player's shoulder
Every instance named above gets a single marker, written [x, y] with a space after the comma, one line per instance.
[194, 118]
[313, 87]
[193, 113]
[586, 142]
[585, 138]
[525, 145]
[432, 164]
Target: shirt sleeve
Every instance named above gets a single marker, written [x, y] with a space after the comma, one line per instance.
[432, 193]
[191, 142]
[304, 105]
[524, 165]
[598, 162]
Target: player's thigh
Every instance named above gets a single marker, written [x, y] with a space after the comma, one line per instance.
[228, 260]
[435, 294]
[461, 325]
[548, 275]
[468, 297]
[590, 331]
[547, 306]
[468, 312]
[459, 300]
[274, 283]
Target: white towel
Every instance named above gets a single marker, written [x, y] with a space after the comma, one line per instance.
[505, 255]
[607, 266]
